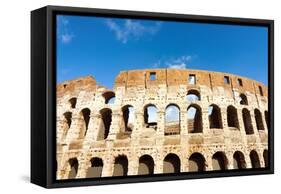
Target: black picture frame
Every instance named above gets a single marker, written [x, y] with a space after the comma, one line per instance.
[43, 95]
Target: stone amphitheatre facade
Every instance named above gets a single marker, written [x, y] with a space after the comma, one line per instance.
[219, 121]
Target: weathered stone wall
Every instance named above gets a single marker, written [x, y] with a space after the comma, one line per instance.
[83, 135]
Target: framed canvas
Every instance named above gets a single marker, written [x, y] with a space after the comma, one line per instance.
[126, 96]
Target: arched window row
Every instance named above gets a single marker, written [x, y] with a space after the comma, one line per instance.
[171, 163]
[172, 119]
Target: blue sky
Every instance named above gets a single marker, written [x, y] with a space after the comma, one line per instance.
[102, 47]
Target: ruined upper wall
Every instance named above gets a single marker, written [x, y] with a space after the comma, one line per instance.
[87, 83]
[171, 77]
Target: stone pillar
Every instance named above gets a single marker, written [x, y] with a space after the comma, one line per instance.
[248, 160]
[138, 126]
[209, 162]
[160, 128]
[75, 128]
[205, 120]
[133, 166]
[183, 122]
[158, 168]
[92, 131]
[115, 126]
[224, 118]
[229, 156]
[256, 131]
[108, 166]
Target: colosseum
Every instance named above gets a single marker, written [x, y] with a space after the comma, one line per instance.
[158, 121]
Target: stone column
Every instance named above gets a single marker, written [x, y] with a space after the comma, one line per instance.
[183, 122]
[209, 162]
[229, 156]
[256, 131]
[75, 128]
[92, 131]
[115, 126]
[160, 128]
[205, 120]
[133, 166]
[108, 166]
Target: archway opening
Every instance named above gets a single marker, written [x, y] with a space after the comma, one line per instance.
[73, 102]
[96, 168]
[194, 116]
[219, 161]
[146, 165]
[258, 118]
[106, 118]
[239, 160]
[150, 116]
[243, 99]
[215, 117]
[193, 96]
[232, 117]
[73, 163]
[247, 121]
[172, 120]
[255, 161]
[171, 164]
[86, 118]
[109, 97]
[120, 166]
[196, 162]
[128, 118]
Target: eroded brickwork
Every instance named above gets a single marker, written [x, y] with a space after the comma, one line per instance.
[97, 137]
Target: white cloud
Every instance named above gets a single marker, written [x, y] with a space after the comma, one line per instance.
[64, 34]
[131, 29]
[179, 63]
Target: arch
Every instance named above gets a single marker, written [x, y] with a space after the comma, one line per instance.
[73, 163]
[243, 99]
[106, 118]
[258, 118]
[128, 117]
[194, 119]
[247, 121]
[215, 117]
[68, 118]
[193, 95]
[265, 158]
[219, 161]
[86, 118]
[120, 166]
[146, 165]
[239, 160]
[150, 116]
[255, 161]
[266, 119]
[95, 170]
[196, 162]
[109, 97]
[171, 164]
[232, 117]
[172, 120]
[73, 102]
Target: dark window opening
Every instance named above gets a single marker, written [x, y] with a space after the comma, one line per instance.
[109, 97]
[260, 89]
[226, 80]
[73, 102]
[258, 118]
[239, 81]
[106, 117]
[232, 117]
[150, 116]
[68, 118]
[86, 117]
[215, 117]
[243, 99]
[152, 76]
[192, 79]
[193, 96]
[194, 115]
[247, 121]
